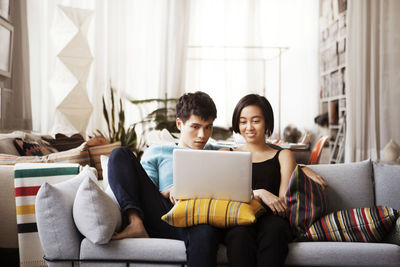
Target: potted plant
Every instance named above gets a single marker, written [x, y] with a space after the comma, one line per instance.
[116, 127]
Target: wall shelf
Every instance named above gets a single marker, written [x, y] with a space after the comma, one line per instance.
[332, 57]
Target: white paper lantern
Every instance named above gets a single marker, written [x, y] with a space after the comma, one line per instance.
[71, 70]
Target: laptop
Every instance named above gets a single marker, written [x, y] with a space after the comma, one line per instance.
[214, 174]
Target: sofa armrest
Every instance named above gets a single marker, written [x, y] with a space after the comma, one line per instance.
[8, 219]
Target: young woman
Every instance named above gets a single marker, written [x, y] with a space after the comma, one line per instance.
[264, 243]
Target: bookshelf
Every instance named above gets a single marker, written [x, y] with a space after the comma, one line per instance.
[332, 55]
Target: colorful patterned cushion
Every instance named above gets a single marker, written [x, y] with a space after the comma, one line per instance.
[33, 148]
[355, 225]
[306, 202]
[219, 213]
[28, 177]
[62, 142]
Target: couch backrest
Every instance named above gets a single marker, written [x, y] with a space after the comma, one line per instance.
[350, 185]
[387, 185]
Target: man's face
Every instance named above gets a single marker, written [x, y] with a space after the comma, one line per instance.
[195, 132]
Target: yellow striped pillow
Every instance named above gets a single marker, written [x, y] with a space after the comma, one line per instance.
[219, 213]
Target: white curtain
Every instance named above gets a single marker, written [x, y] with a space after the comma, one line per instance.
[233, 51]
[138, 48]
[373, 76]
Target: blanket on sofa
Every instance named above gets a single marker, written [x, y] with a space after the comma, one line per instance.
[28, 177]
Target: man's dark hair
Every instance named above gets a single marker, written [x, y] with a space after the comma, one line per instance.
[262, 103]
[198, 103]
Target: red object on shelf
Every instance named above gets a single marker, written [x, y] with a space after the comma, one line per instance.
[316, 152]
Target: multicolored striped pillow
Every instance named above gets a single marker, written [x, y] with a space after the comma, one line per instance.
[219, 213]
[355, 225]
[306, 202]
[28, 177]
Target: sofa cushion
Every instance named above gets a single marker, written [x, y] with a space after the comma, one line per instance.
[7, 147]
[387, 185]
[219, 213]
[96, 215]
[306, 202]
[150, 249]
[28, 177]
[343, 254]
[355, 225]
[350, 185]
[58, 234]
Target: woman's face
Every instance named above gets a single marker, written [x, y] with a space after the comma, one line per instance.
[252, 124]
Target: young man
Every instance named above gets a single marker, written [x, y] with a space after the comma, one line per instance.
[143, 190]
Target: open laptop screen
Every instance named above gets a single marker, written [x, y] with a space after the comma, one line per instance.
[212, 174]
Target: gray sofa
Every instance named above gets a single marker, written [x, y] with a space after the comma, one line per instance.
[353, 185]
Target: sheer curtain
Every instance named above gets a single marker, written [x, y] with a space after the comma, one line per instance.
[234, 50]
[373, 78]
[138, 49]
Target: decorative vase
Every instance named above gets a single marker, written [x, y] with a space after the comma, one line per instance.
[391, 151]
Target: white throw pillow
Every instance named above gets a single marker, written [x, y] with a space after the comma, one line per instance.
[53, 207]
[104, 167]
[106, 186]
[95, 214]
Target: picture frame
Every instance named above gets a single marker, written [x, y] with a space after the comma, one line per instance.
[342, 5]
[5, 9]
[6, 47]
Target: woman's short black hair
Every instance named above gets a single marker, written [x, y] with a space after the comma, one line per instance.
[198, 103]
[262, 103]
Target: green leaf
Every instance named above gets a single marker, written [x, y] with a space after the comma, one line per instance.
[105, 114]
[113, 132]
[144, 101]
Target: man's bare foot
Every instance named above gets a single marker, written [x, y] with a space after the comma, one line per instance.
[131, 231]
[135, 228]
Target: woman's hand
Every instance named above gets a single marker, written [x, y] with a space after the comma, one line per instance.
[315, 176]
[276, 204]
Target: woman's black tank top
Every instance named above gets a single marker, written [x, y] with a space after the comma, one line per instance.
[267, 174]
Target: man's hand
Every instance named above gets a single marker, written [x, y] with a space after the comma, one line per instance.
[167, 193]
[276, 204]
[172, 199]
[315, 176]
